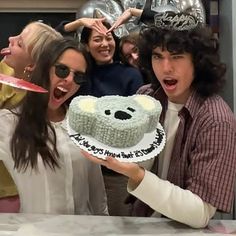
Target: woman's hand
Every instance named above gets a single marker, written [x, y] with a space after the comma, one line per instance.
[95, 24]
[131, 170]
[125, 16]
[92, 23]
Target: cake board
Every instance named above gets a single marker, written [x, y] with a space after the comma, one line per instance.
[149, 147]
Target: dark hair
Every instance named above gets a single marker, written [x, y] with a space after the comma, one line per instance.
[199, 42]
[34, 133]
[132, 38]
[85, 37]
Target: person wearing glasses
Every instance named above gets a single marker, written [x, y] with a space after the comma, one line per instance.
[19, 60]
[50, 173]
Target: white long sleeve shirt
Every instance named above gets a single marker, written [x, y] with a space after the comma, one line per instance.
[76, 188]
[166, 198]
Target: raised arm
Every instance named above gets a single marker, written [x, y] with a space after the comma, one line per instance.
[93, 23]
[125, 16]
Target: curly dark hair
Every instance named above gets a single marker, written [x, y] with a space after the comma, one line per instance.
[199, 42]
[34, 133]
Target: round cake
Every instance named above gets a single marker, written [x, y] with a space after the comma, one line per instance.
[114, 120]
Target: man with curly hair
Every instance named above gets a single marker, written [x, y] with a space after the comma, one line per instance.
[194, 176]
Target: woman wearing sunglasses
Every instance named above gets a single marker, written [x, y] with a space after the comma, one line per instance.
[50, 173]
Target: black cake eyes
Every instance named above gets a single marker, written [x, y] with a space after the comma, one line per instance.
[131, 109]
[108, 112]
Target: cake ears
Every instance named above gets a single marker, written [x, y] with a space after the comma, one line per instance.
[145, 101]
[88, 103]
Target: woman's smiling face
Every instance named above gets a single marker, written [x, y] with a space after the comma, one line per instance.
[62, 89]
[101, 47]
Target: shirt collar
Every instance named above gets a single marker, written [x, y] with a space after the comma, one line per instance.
[192, 105]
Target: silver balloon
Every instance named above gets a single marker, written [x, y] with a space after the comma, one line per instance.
[133, 25]
[192, 7]
[110, 9]
[132, 4]
[87, 9]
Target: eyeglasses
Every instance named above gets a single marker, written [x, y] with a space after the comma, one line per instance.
[62, 71]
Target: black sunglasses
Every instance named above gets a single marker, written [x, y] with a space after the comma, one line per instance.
[62, 71]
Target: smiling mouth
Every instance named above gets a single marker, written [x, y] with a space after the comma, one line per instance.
[59, 92]
[105, 52]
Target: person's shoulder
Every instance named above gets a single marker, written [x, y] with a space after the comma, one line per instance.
[5, 69]
[7, 90]
[131, 70]
[8, 118]
[6, 113]
[146, 89]
[215, 108]
[126, 71]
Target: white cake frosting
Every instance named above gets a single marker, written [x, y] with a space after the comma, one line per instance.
[114, 120]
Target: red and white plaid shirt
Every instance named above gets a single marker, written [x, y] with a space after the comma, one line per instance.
[204, 153]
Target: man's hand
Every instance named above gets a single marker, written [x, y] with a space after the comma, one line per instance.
[131, 170]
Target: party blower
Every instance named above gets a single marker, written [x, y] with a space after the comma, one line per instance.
[21, 84]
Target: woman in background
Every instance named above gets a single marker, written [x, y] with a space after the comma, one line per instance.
[21, 55]
[19, 60]
[108, 76]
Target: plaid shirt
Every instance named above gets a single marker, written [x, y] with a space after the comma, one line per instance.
[204, 154]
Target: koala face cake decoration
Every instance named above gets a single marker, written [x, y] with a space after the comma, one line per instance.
[123, 127]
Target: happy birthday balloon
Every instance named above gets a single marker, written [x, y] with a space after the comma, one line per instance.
[193, 8]
[112, 9]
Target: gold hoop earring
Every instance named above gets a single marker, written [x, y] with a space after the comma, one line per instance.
[27, 74]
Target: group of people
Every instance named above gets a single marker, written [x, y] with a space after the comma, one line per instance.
[192, 178]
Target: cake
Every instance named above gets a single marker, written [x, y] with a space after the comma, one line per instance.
[114, 120]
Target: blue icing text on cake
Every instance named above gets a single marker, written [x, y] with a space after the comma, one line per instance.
[114, 120]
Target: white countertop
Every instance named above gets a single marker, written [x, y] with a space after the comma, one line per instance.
[65, 225]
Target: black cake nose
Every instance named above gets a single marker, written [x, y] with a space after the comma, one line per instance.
[122, 115]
